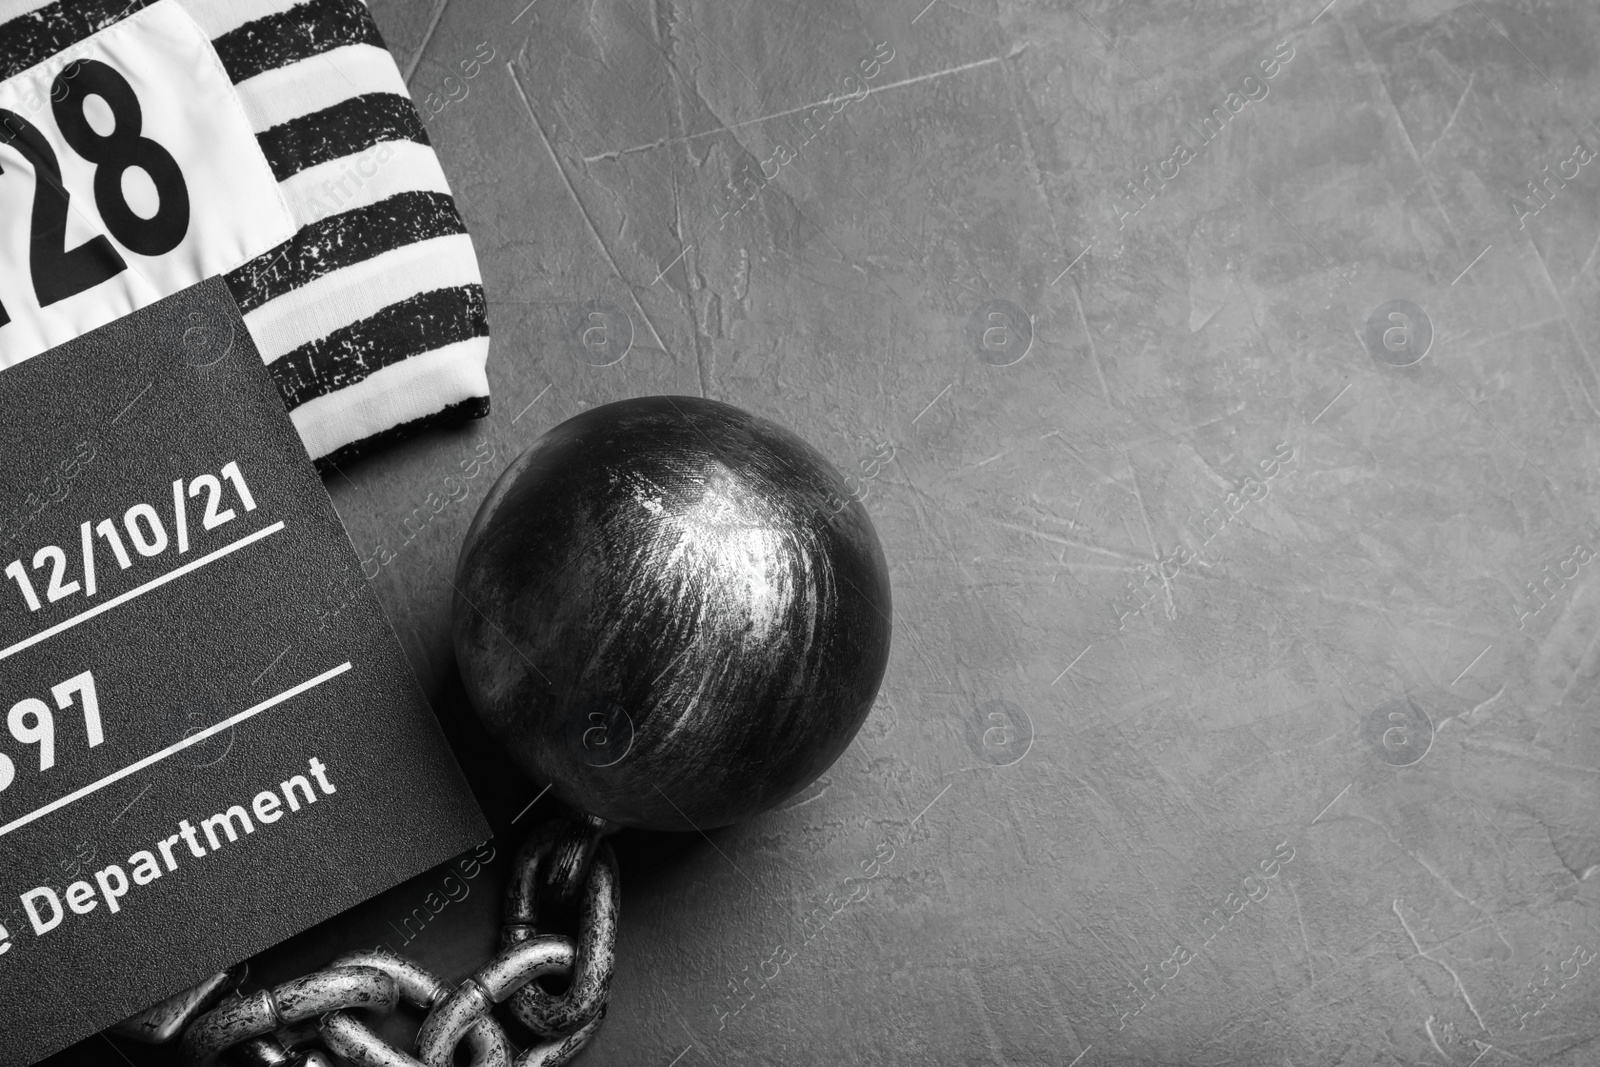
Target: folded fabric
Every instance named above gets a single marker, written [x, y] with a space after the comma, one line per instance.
[370, 315]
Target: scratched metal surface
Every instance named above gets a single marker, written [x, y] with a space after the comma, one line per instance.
[1061, 836]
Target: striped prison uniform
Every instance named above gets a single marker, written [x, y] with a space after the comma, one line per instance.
[371, 318]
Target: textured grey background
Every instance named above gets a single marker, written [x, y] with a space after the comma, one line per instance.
[1135, 775]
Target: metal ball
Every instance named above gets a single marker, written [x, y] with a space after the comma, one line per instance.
[673, 612]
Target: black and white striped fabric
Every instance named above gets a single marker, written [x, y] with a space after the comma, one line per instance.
[371, 318]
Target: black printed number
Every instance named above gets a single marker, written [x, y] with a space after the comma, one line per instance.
[116, 152]
[58, 271]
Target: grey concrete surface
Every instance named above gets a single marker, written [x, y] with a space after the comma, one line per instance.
[1060, 837]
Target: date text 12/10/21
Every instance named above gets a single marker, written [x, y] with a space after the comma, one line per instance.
[146, 531]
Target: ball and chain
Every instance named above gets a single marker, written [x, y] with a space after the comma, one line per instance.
[677, 615]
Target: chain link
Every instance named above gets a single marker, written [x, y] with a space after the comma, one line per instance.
[585, 998]
[294, 1001]
[348, 1036]
[491, 984]
[564, 862]
[167, 1020]
[270, 1052]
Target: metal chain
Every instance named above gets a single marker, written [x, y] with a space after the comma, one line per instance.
[552, 865]
[563, 863]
